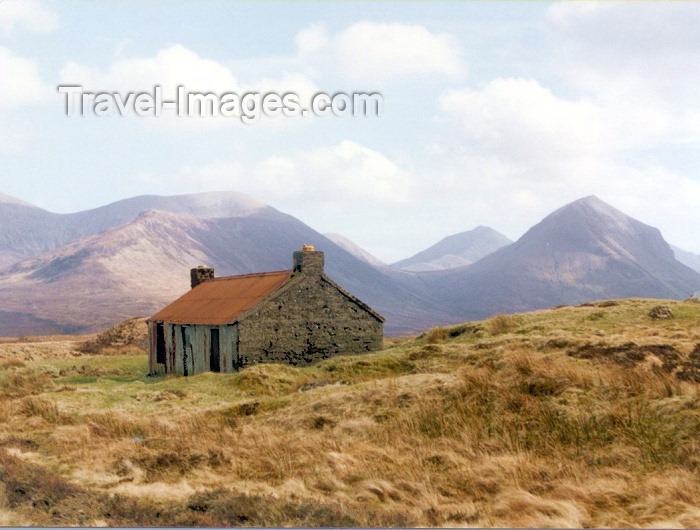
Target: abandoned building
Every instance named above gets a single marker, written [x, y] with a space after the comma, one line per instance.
[296, 316]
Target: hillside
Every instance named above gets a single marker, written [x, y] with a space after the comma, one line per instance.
[27, 231]
[136, 268]
[586, 250]
[355, 249]
[577, 416]
[456, 250]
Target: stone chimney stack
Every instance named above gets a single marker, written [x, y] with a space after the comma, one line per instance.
[199, 274]
[308, 261]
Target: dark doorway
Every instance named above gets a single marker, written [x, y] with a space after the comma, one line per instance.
[160, 343]
[214, 362]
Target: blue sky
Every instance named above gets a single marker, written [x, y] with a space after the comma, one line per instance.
[495, 112]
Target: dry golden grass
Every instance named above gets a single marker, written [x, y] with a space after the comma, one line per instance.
[504, 323]
[128, 338]
[584, 416]
[30, 349]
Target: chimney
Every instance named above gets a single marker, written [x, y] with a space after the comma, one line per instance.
[308, 261]
[199, 274]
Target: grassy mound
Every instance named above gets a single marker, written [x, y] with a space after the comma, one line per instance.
[129, 337]
[577, 416]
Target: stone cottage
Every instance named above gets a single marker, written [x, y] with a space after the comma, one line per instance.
[296, 316]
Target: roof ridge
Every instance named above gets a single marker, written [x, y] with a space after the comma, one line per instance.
[248, 275]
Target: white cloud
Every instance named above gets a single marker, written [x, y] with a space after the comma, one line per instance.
[170, 67]
[507, 155]
[339, 173]
[371, 51]
[20, 86]
[631, 54]
[343, 187]
[635, 30]
[328, 177]
[638, 63]
[173, 66]
[519, 118]
[20, 82]
[516, 148]
[27, 14]
[176, 66]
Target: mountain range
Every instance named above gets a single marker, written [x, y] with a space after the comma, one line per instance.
[88, 270]
[586, 250]
[26, 230]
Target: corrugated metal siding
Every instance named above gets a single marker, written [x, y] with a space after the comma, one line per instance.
[220, 301]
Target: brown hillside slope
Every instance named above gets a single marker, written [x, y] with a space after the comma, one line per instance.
[577, 416]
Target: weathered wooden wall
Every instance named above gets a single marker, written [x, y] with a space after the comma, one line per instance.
[192, 355]
[228, 339]
[152, 348]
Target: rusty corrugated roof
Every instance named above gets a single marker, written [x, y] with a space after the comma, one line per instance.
[221, 301]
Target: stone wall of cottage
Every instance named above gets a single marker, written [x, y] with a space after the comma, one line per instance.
[306, 321]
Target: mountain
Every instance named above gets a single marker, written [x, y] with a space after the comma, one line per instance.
[137, 267]
[89, 270]
[355, 249]
[586, 250]
[27, 230]
[457, 250]
[687, 258]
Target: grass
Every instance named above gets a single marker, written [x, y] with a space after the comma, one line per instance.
[576, 416]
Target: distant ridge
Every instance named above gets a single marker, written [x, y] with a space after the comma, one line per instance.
[354, 249]
[687, 258]
[457, 250]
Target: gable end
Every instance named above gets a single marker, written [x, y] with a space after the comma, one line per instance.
[353, 298]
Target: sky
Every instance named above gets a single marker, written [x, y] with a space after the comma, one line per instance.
[495, 113]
